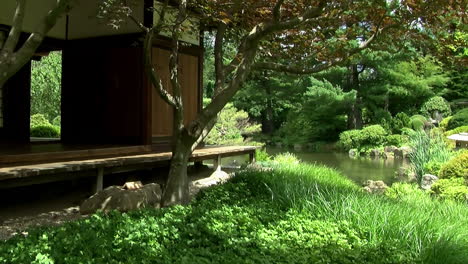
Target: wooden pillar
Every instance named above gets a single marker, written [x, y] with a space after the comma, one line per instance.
[99, 180]
[252, 157]
[217, 163]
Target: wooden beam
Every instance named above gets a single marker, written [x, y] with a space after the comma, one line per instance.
[99, 180]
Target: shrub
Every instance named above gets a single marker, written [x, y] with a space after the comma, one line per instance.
[45, 131]
[456, 131]
[286, 158]
[417, 122]
[444, 123]
[261, 155]
[405, 191]
[433, 167]
[434, 104]
[39, 120]
[231, 126]
[400, 121]
[457, 167]
[349, 139]
[372, 136]
[364, 139]
[451, 189]
[459, 119]
[394, 140]
[57, 121]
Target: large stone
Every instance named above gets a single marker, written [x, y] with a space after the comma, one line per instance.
[405, 174]
[390, 149]
[352, 153]
[376, 187]
[117, 198]
[374, 153]
[298, 147]
[402, 152]
[427, 180]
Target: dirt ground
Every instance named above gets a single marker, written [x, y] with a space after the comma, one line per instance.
[56, 203]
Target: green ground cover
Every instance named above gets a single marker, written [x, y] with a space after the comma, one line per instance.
[294, 213]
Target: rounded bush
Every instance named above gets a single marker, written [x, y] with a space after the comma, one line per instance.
[457, 130]
[349, 139]
[368, 137]
[417, 122]
[394, 140]
[436, 104]
[39, 120]
[456, 167]
[459, 119]
[45, 131]
[444, 123]
[451, 189]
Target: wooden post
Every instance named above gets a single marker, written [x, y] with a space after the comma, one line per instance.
[217, 163]
[99, 180]
[252, 157]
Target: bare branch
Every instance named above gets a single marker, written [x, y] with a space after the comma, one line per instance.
[152, 74]
[15, 32]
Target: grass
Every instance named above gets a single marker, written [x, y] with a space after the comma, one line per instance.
[294, 213]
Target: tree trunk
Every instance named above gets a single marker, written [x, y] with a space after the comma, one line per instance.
[267, 120]
[176, 190]
[355, 111]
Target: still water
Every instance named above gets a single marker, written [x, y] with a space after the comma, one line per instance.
[357, 169]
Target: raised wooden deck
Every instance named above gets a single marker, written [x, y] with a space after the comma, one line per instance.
[54, 171]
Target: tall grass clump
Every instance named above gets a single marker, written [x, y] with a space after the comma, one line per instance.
[427, 148]
[412, 224]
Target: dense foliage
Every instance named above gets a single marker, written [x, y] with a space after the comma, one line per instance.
[435, 105]
[363, 140]
[457, 167]
[458, 119]
[46, 79]
[231, 127]
[291, 214]
[41, 127]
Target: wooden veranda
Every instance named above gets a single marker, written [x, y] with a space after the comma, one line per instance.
[22, 175]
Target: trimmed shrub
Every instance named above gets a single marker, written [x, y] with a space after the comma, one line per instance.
[394, 140]
[417, 122]
[45, 131]
[400, 121]
[444, 123]
[456, 167]
[433, 167]
[451, 189]
[404, 191]
[349, 139]
[459, 119]
[434, 104]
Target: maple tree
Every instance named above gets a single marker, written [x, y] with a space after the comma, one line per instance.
[300, 37]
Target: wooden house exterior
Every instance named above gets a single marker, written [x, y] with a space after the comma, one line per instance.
[107, 100]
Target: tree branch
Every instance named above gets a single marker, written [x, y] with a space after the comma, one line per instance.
[15, 32]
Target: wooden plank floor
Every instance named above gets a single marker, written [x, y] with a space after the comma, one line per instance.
[150, 159]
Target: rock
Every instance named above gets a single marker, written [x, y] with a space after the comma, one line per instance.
[116, 198]
[402, 152]
[374, 153]
[298, 147]
[376, 187]
[405, 174]
[352, 153]
[390, 149]
[427, 180]
[279, 144]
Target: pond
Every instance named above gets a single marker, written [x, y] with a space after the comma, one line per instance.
[357, 169]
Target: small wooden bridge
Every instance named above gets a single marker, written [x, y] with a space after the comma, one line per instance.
[23, 175]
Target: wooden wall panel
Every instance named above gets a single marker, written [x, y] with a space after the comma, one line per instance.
[162, 120]
[16, 107]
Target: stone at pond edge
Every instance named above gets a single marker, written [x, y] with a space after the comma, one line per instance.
[116, 198]
[352, 152]
[374, 153]
[298, 147]
[377, 187]
[402, 152]
[427, 181]
[405, 174]
[390, 149]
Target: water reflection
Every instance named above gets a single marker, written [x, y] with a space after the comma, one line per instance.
[357, 169]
